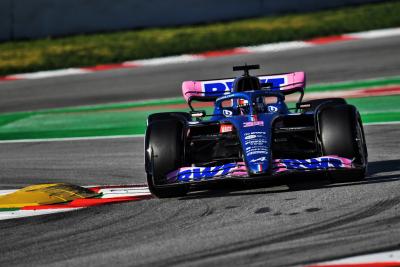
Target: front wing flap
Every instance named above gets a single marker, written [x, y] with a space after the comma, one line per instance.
[239, 169]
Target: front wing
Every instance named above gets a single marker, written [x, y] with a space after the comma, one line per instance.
[239, 169]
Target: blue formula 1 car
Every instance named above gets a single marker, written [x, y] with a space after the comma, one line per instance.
[252, 134]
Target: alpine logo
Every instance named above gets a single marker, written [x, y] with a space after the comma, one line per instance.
[201, 173]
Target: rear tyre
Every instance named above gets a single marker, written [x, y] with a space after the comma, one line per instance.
[342, 134]
[164, 154]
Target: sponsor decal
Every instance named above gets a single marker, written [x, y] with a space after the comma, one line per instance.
[250, 136]
[312, 164]
[225, 128]
[255, 139]
[221, 87]
[193, 174]
[260, 159]
[253, 123]
[256, 152]
[227, 113]
[272, 109]
[276, 83]
[200, 173]
[256, 143]
[257, 133]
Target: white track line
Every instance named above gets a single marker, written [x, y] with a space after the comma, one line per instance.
[50, 73]
[375, 33]
[6, 215]
[275, 47]
[376, 258]
[164, 60]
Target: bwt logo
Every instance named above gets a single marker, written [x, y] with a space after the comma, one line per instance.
[312, 163]
[200, 173]
[220, 87]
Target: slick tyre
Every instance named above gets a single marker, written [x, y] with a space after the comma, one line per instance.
[342, 134]
[165, 154]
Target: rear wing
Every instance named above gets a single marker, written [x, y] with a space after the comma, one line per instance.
[209, 90]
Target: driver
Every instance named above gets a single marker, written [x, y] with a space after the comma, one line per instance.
[243, 106]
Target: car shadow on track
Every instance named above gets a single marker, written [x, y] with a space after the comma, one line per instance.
[378, 172]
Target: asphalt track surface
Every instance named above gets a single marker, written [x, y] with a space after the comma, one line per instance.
[276, 225]
[269, 226]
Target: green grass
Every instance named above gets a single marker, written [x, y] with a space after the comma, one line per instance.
[351, 85]
[130, 117]
[87, 50]
[117, 120]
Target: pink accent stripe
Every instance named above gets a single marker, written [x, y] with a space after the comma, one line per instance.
[330, 39]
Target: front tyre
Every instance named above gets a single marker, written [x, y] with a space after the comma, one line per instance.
[164, 154]
[342, 134]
